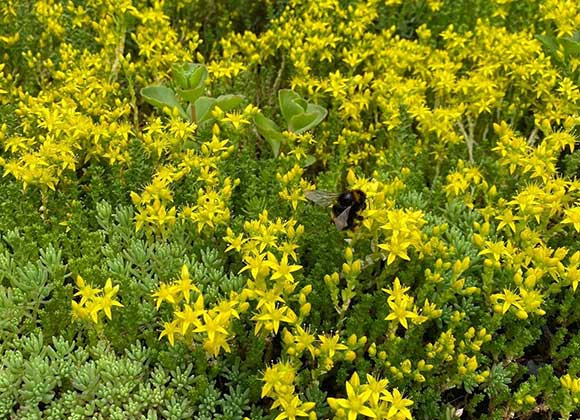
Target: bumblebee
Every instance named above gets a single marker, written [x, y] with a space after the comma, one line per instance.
[346, 207]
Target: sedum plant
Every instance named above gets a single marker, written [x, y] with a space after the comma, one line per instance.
[128, 160]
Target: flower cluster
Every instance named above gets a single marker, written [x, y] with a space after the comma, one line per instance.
[372, 400]
[192, 322]
[94, 301]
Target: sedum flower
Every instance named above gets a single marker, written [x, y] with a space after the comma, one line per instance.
[106, 301]
[281, 269]
[398, 408]
[170, 330]
[572, 217]
[94, 300]
[86, 291]
[399, 311]
[184, 284]
[354, 403]
[270, 317]
[167, 293]
[293, 408]
[509, 299]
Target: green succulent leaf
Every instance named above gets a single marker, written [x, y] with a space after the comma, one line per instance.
[291, 103]
[307, 120]
[229, 102]
[161, 97]
[190, 95]
[189, 75]
[270, 131]
[203, 107]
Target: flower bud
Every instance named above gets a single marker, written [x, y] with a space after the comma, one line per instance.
[349, 356]
[348, 254]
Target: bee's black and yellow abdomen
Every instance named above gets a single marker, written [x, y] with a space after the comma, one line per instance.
[353, 199]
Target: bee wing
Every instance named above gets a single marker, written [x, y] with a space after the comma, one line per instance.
[321, 198]
[341, 221]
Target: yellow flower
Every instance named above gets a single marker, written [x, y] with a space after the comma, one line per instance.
[165, 292]
[573, 217]
[396, 247]
[270, 316]
[304, 340]
[509, 299]
[398, 405]
[79, 310]
[235, 242]
[235, 118]
[573, 271]
[397, 292]
[107, 301]
[376, 388]
[399, 311]
[293, 408]
[507, 219]
[256, 264]
[86, 291]
[184, 284]
[214, 346]
[169, 330]
[212, 326]
[282, 270]
[354, 404]
[330, 344]
[188, 317]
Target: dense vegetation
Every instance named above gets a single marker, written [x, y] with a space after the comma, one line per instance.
[159, 259]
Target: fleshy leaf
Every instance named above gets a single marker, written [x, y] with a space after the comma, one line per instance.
[161, 97]
[189, 75]
[307, 120]
[190, 95]
[291, 103]
[270, 131]
[229, 102]
[203, 107]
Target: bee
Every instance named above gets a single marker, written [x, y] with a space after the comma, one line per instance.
[345, 206]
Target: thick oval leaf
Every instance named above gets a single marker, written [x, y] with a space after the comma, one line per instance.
[275, 141]
[307, 120]
[161, 97]
[203, 107]
[189, 75]
[318, 109]
[291, 103]
[266, 124]
[270, 131]
[198, 76]
[190, 95]
[229, 102]
[300, 123]
[179, 75]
